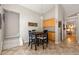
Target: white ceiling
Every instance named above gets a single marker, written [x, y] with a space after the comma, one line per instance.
[43, 8]
[39, 8]
[71, 8]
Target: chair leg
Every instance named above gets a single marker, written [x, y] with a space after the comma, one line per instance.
[38, 42]
[31, 45]
[35, 47]
[46, 44]
[43, 43]
[43, 46]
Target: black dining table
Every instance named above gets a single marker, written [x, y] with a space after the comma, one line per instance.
[39, 34]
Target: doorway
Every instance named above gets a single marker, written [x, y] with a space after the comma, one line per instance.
[71, 31]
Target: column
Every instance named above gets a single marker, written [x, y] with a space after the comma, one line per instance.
[56, 25]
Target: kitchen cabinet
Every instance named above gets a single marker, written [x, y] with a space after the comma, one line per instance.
[49, 23]
[51, 36]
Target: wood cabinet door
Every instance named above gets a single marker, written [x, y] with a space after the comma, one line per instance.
[51, 36]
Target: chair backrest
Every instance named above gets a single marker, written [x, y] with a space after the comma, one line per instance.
[30, 35]
[33, 35]
[46, 33]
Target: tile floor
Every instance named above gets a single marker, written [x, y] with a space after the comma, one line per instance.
[52, 49]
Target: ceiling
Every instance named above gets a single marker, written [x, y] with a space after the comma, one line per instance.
[43, 8]
[71, 9]
[39, 8]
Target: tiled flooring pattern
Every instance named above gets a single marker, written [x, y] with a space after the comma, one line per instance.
[52, 49]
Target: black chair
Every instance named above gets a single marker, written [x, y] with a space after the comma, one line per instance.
[45, 37]
[29, 37]
[45, 31]
[34, 40]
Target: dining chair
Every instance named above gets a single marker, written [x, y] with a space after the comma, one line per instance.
[30, 37]
[34, 40]
[45, 37]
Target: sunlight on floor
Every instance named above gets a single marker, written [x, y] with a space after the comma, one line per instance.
[71, 38]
